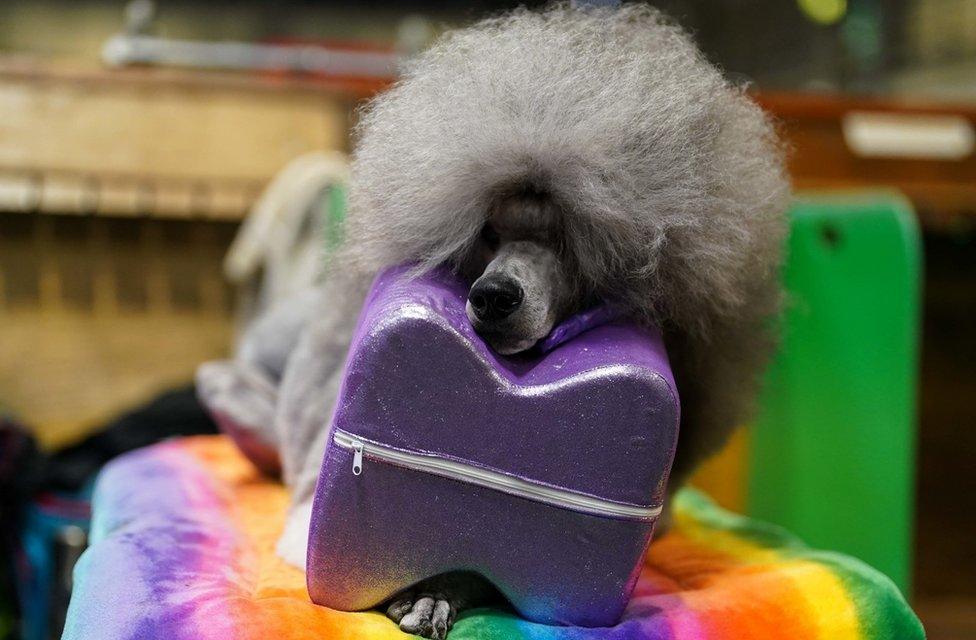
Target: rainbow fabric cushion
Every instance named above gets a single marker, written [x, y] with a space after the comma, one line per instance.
[183, 547]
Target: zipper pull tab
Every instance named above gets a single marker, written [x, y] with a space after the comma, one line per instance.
[357, 457]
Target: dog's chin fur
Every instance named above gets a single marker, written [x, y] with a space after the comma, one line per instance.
[669, 178]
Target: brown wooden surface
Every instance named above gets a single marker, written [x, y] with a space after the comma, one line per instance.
[97, 314]
[154, 142]
[943, 191]
[22, 68]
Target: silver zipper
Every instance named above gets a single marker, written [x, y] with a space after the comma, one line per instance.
[357, 457]
[462, 472]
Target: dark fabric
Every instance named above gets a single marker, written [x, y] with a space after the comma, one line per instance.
[18, 454]
[173, 413]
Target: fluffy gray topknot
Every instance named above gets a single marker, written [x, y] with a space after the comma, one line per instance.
[670, 178]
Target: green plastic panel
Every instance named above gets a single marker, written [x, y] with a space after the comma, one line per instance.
[832, 453]
[335, 216]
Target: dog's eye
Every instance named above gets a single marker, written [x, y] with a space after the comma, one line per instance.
[490, 236]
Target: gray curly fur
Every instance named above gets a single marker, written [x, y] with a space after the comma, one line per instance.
[670, 178]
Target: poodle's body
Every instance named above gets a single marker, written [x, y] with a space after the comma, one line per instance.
[630, 171]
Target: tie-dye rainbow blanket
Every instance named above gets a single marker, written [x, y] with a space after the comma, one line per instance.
[183, 547]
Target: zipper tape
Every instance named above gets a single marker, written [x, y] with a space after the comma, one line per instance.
[490, 479]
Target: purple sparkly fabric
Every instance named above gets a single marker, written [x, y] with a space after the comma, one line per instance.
[596, 415]
[577, 324]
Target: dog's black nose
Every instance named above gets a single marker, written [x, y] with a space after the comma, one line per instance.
[494, 299]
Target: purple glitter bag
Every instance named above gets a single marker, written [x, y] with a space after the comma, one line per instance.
[545, 473]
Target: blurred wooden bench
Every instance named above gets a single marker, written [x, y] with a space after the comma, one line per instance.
[119, 194]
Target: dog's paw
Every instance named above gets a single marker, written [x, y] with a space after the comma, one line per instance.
[422, 614]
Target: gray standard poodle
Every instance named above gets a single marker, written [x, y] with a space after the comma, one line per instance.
[554, 158]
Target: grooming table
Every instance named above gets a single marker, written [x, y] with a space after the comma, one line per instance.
[183, 548]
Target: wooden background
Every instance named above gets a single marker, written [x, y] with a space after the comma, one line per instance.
[119, 195]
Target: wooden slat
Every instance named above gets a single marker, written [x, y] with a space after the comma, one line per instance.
[156, 145]
[348, 89]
